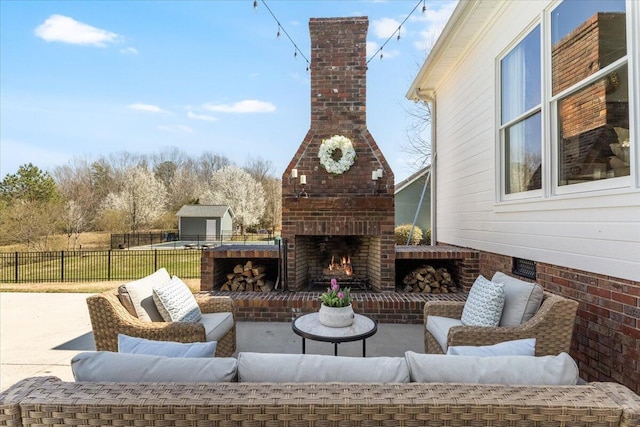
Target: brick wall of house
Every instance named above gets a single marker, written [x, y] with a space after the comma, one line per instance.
[606, 343]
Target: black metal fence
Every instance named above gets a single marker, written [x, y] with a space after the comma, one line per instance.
[78, 266]
[172, 239]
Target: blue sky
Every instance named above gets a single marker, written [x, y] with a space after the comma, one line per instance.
[87, 78]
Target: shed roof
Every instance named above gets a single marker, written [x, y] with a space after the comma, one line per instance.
[204, 211]
[412, 178]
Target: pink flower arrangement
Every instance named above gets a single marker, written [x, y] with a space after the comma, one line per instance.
[336, 297]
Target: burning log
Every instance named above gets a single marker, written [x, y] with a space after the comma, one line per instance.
[339, 269]
[428, 279]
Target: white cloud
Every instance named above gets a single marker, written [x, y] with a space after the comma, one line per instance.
[146, 107]
[129, 51]
[175, 128]
[58, 28]
[435, 19]
[385, 27]
[246, 106]
[204, 117]
[372, 47]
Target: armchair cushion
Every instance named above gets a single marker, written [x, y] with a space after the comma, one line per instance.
[521, 299]
[135, 345]
[439, 327]
[516, 370]
[176, 302]
[216, 325]
[139, 294]
[103, 366]
[484, 303]
[524, 347]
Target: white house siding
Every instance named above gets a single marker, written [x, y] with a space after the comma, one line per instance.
[597, 232]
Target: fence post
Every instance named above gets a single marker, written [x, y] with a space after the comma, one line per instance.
[16, 259]
[109, 265]
[155, 260]
[62, 266]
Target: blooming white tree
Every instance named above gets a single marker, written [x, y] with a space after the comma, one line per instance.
[141, 198]
[235, 187]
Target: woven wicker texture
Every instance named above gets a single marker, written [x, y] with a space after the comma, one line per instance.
[551, 326]
[331, 404]
[109, 318]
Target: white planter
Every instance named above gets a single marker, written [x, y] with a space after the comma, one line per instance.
[336, 317]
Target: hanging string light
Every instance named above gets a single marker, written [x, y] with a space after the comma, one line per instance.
[397, 31]
[283, 30]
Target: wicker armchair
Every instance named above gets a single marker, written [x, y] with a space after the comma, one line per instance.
[551, 326]
[110, 318]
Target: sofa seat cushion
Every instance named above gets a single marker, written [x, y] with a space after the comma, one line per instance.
[139, 295]
[103, 366]
[439, 327]
[521, 299]
[299, 368]
[216, 325]
[135, 345]
[484, 303]
[175, 302]
[512, 370]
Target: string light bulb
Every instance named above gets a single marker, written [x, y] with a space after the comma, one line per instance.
[255, 4]
[424, 6]
[295, 54]
[278, 35]
[399, 29]
[381, 55]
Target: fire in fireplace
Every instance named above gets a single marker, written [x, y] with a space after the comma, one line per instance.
[339, 268]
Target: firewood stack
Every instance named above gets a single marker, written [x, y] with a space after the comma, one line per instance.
[247, 278]
[428, 279]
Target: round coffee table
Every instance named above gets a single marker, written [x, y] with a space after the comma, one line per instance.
[308, 326]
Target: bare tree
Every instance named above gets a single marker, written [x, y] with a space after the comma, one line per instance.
[142, 197]
[418, 144]
[184, 188]
[236, 188]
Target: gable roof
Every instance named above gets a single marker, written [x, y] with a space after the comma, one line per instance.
[204, 211]
[412, 178]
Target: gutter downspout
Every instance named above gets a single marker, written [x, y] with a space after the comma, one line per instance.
[430, 97]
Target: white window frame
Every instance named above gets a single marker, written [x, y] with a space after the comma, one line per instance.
[548, 108]
[501, 150]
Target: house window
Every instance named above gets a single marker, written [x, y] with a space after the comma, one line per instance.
[521, 124]
[565, 103]
[590, 90]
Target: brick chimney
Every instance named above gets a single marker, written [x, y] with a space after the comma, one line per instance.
[347, 207]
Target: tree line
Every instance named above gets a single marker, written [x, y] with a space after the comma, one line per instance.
[126, 192]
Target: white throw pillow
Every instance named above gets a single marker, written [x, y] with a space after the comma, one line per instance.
[518, 370]
[141, 294]
[135, 345]
[524, 347]
[521, 299]
[176, 302]
[484, 303]
[299, 368]
[103, 366]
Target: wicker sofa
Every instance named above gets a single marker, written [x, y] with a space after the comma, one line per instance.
[47, 401]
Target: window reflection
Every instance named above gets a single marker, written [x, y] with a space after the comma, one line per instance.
[593, 121]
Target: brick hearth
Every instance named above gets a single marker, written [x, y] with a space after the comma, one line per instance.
[385, 307]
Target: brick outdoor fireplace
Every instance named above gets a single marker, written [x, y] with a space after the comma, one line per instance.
[344, 219]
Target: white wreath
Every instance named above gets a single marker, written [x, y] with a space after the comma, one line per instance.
[329, 146]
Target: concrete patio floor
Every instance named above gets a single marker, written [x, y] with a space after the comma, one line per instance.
[41, 332]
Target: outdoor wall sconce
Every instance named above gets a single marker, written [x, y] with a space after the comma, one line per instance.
[376, 176]
[303, 183]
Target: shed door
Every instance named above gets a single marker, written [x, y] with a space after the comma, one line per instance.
[212, 226]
